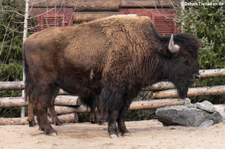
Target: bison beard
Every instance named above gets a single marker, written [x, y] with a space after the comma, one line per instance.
[110, 59]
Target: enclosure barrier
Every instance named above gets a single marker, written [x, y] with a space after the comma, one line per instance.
[67, 106]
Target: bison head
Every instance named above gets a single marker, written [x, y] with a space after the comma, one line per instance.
[182, 66]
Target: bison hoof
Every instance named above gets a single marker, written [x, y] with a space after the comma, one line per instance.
[101, 122]
[126, 134]
[58, 123]
[113, 136]
[50, 132]
[93, 121]
[32, 123]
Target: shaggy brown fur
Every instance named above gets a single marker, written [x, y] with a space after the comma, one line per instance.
[115, 56]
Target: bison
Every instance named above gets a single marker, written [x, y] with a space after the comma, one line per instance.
[113, 57]
[90, 99]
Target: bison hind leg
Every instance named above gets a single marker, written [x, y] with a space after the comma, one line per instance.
[53, 113]
[44, 98]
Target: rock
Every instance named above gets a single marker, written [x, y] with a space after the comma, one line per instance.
[181, 115]
[217, 117]
[206, 123]
[187, 102]
[206, 105]
[185, 116]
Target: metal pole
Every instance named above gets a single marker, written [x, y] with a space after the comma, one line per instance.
[24, 38]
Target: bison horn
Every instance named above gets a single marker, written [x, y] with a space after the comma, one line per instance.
[173, 47]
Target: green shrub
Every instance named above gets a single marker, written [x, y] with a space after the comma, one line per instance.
[208, 23]
[11, 35]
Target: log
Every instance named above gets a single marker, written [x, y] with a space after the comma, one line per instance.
[84, 5]
[148, 3]
[13, 121]
[67, 100]
[70, 109]
[80, 5]
[212, 73]
[152, 104]
[12, 102]
[66, 118]
[80, 17]
[136, 105]
[18, 85]
[19, 101]
[11, 85]
[160, 86]
[198, 91]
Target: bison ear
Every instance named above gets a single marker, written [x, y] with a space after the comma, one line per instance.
[173, 48]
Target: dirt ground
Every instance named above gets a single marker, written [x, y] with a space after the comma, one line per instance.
[144, 134]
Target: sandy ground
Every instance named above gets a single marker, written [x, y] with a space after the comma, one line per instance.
[144, 134]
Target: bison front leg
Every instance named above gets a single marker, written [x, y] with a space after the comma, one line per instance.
[112, 103]
[121, 121]
[112, 127]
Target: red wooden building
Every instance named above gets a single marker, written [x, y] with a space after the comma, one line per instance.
[69, 12]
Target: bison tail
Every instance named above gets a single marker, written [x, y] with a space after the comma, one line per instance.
[28, 83]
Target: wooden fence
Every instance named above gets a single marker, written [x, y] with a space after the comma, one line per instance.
[67, 106]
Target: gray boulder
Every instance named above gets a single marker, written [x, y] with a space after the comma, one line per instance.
[187, 116]
[206, 105]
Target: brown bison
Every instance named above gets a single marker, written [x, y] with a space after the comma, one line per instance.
[112, 58]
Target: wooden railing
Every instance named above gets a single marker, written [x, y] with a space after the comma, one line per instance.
[163, 94]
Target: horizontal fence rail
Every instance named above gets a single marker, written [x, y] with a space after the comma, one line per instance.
[19, 85]
[67, 106]
[197, 91]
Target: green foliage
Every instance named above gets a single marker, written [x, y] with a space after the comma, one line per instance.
[11, 35]
[208, 23]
